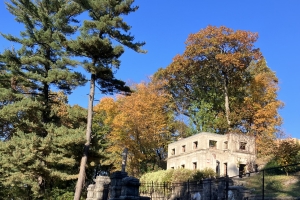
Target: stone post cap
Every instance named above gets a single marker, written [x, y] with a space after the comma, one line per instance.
[102, 179]
[131, 181]
[91, 187]
[118, 174]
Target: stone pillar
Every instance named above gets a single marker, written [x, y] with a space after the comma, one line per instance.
[130, 188]
[101, 188]
[222, 188]
[207, 188]
[90, 193]
[210, 189]
[121, 187]
[116, 184]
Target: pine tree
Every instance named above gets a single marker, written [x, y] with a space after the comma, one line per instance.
[38, 148]
[98, 45]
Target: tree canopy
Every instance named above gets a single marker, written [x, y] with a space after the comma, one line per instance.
[222, 83]
[45, 63]
[38, 150]
[101, 43]
[143, 123]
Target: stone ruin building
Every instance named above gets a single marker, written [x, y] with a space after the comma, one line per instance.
[230, 154]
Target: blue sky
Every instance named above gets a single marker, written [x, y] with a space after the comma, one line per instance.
[165, 25]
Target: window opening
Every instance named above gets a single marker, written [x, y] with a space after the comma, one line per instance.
[194, 165]
[212, 144]
[243, 145]
[226, 145]
[195, 145]
[173, 152]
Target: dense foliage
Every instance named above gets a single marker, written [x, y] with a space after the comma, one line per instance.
[287, 152]
[36, 128]
[177, 175]
[101, 43]
[141, 122]
[222, 84]
[40, 144]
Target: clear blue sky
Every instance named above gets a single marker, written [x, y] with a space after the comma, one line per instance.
[164, 25]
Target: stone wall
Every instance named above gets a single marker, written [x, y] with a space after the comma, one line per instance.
[118, 186]
[122, 187]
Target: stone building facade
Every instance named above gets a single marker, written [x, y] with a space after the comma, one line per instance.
[231, 154]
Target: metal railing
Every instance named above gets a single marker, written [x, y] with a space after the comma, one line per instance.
[282, 182]
[269, 183]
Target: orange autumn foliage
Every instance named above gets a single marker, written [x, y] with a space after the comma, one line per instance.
[140, 122]
[263, 106]
[222, 84]
[210, 74]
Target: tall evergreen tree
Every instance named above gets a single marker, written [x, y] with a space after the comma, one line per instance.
[101, 44]
[38, 150]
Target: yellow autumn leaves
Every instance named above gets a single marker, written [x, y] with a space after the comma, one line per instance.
[140, 122]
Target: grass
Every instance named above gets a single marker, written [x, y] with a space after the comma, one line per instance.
[275, 185]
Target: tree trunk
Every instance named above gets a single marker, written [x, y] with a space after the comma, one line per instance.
[227, 109]
[81, 176]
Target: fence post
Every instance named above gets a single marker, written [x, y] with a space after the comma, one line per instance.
[188, 187]
[152, 189]
[164, 190]
[263, 185]
[226, 187]
[210, 189]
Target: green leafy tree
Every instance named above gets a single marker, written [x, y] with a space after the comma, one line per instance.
[101, 43]
[39, 145]
[287, 153]
[215, 83]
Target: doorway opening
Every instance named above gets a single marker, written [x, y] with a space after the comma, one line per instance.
[218, 168]
[225, 169]
[242, 169]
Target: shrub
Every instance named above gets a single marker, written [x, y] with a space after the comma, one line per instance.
[198, 175]
[158, 176]
[208, 172]
[168, 176]
[273, 164]
[61, 194]
[177, 175]
[182, 175]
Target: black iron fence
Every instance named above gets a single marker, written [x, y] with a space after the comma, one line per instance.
[281, 182]
[160, 191]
